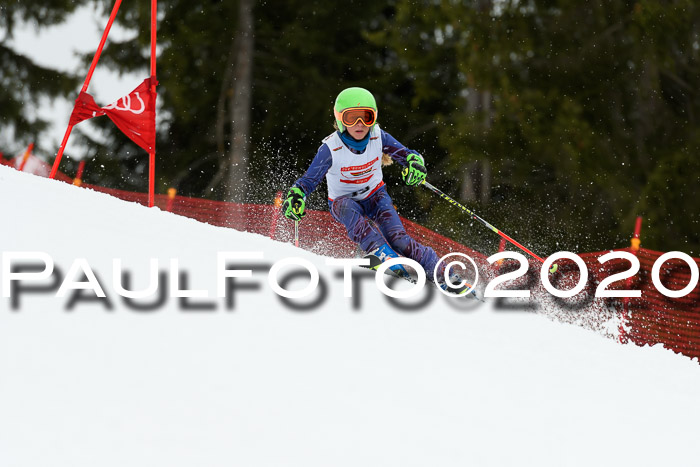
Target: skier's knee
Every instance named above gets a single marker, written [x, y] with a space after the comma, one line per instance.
[339, 207]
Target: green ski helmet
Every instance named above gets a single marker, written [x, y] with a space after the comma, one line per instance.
[353, 97]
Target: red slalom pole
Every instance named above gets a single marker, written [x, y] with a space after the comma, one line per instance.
[152, 152]
[59, 155]
[95, 59]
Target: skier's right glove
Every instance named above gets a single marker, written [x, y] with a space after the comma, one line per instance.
[293, 206]
[414, 173]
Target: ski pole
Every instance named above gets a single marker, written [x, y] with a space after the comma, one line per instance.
[554, 267]
[296, 233]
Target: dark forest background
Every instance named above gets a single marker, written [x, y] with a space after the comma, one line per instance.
[557, 121]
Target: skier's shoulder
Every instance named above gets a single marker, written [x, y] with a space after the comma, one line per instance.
[332, 143]
[330, 138]
[323, 151]
[386, 136]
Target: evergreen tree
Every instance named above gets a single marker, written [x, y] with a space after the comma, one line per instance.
[24, 82]
[559, 121]
[297, 72]
[580, 108]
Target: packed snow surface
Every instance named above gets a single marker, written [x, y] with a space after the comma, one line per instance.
[254, 381]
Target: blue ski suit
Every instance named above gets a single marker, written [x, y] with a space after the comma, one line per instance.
[345, 169]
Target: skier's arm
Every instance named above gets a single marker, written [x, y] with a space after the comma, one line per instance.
[414, 172]
[293, 207]
[317, 170]
[397, 151]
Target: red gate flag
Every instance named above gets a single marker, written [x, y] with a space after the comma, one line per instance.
[134, 114]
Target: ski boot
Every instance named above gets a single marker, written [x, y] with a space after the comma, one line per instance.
[382, 254]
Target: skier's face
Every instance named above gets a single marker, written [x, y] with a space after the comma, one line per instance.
[358, 130]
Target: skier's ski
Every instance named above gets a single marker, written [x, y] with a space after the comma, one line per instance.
[375, 262]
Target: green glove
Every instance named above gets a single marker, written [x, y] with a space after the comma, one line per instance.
[414, 173]
[293, 206]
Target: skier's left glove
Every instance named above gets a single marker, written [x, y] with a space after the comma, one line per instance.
[414, 173]
[293, 206]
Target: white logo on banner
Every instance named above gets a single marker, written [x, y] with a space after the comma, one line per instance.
[126, 104]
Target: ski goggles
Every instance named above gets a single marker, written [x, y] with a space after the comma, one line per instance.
[365, 115]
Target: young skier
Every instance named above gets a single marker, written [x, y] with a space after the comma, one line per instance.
[351, 160]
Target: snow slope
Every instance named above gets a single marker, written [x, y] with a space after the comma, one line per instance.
[262, 384]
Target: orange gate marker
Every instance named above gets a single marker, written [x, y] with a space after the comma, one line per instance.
[78, 180]
[275, 214]
[25, 157]
[635, 243]
[171, 198]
